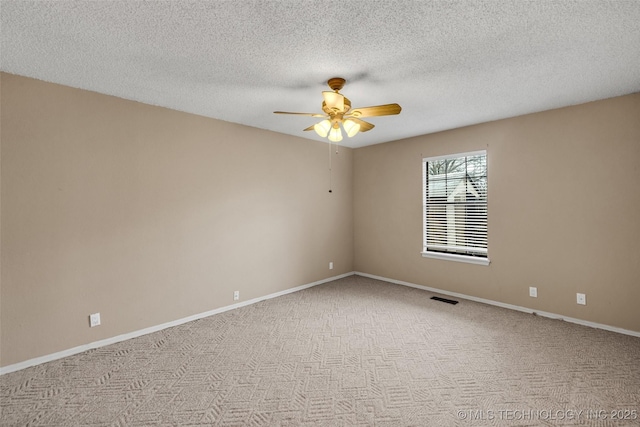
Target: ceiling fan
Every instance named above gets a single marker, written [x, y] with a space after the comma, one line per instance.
[338, 111]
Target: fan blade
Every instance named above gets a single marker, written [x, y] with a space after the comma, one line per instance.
[300, 114]
[309, 128]
[364, 126]
[333, 100]
[378, 110]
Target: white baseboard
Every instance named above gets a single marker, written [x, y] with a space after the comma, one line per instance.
[75, 350]
[504, 305]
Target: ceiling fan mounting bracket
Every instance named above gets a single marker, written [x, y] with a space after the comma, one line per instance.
[336, 83]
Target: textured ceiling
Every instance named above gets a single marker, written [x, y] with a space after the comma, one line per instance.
[448, 63]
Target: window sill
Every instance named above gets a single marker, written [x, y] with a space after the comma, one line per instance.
[458, 258]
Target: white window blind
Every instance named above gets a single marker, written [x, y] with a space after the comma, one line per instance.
[455, 204]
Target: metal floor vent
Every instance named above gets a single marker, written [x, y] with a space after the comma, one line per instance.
[448, 301]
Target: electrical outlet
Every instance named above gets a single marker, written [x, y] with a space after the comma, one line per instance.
[533, 292]
[94, 319]
[581, 299]
[236, 295]
[331, 265]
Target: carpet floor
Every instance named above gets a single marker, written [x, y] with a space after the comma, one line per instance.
[353, 352]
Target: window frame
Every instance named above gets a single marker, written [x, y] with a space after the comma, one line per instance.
[451, 256]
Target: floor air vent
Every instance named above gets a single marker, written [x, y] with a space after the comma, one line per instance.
[448, 301]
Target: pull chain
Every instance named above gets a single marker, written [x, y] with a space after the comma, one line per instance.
[330, 167]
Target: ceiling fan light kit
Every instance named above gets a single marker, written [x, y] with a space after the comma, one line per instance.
[322, 128]
[337, 109]
[334, 134]
[351, 127]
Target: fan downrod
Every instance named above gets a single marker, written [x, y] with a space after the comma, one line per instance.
[336, 83]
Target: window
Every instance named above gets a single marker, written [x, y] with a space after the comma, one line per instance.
[455, 207]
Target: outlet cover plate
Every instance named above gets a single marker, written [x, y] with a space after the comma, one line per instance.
[94, 319]
[533, 292]
[581, 299]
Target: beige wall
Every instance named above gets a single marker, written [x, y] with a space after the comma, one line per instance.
[148, 215]
[564, 211]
